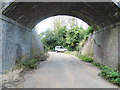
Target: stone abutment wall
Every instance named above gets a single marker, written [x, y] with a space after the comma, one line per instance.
[106, 46]
[88, 49]
[103, 45]
[16, 43]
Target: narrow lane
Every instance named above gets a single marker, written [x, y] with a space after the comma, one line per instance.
[65, 71]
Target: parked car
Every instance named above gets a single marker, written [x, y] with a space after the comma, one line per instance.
[60, 49]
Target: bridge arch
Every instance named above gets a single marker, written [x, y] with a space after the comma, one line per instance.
[96, 14]
[99, 15]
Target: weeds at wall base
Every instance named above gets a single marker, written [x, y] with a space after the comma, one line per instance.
[109, 73]
[32, 63]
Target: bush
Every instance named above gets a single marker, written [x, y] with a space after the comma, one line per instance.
[85, 58]
[31, 63]
[46, 49]
[98, 65]
[110, 74]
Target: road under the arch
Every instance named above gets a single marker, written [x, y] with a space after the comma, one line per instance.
[65, 71]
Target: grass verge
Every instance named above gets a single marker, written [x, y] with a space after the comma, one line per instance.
[83, 58]
[71, 53]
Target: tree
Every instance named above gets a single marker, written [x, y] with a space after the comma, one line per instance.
[61, 35]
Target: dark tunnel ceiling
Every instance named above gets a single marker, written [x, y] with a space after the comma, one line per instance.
[96, 14]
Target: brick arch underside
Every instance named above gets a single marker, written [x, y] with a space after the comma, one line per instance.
[96, 14]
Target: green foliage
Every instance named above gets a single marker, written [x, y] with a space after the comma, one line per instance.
[85, 58]
[106, 72]
[89, 30]
[33, 62]
[46, 49]
[70, 37]
[30, 64]
[86, 35]
[70, 53]
[97, 65]
[109, 73]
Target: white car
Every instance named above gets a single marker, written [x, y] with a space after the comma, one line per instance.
[60, 49]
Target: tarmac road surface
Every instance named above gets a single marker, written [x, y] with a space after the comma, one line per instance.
[65, 71]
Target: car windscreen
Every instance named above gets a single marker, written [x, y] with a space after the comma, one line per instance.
[61, 47]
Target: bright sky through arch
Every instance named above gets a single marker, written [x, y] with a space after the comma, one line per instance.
[48, 23]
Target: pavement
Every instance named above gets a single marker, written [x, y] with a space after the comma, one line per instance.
[65, 71]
